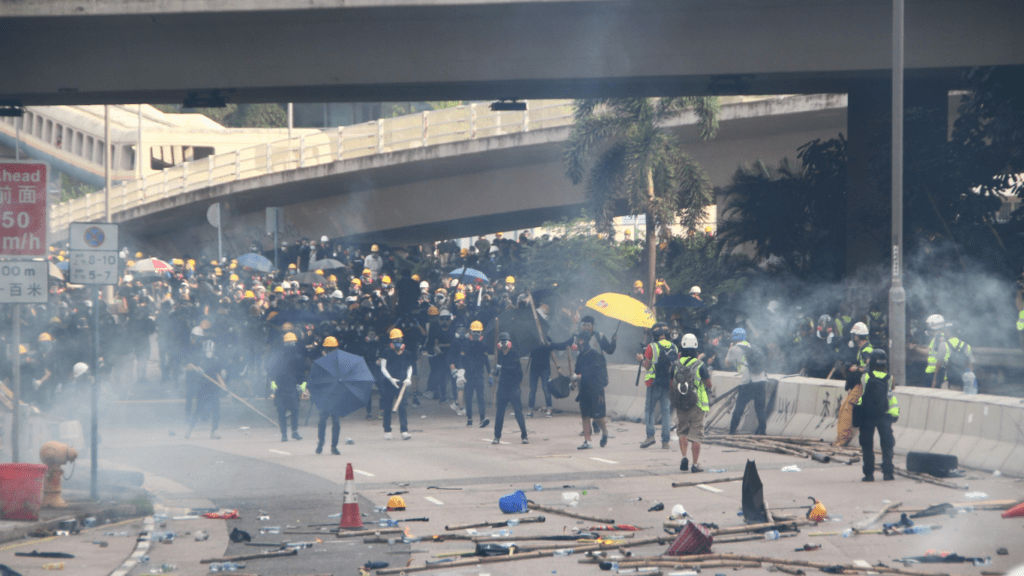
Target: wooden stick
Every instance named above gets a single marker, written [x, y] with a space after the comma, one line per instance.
[756, 527]
[748, 537]
[356, 533]
[787, 569]
[878, 515]
[493, 524]
[534, 506]
[224, 387]
[293, 552]
[712, 481]
[401, 393]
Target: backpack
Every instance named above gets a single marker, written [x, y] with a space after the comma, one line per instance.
[958, 361]
[663, 367]
[755, 358]
[683, 393]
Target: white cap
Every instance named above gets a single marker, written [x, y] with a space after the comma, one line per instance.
[695, 290]
[678, 511]
[324, 239]
[128, 277]
[445, 313]
[79, 369]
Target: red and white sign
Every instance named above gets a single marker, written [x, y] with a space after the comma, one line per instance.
[23, 208]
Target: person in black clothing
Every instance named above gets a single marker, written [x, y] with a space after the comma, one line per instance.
[510, 375]
[872, 413]
[370, 350]
[540, 372]
[287, 373]
[408, 291]
[396, 366]
[203, 364]
[330, 344]
[472, 366]
[592, 376]
[601, 342]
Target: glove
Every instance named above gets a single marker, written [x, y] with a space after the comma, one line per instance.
[407, 382]
[394, 382]
[303, 387]
[574, 378]
[36, 384]
[273, 386]
[490, 380]
[455, 372]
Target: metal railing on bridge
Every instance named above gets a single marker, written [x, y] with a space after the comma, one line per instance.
[430, 128]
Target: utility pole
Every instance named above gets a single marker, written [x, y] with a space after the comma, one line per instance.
[897, 295]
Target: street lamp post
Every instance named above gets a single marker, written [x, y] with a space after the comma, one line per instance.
[897, 295]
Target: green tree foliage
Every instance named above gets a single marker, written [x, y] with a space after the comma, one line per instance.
[71, 188]
[793, 215]
[237, 115]
[621, 150]
[698, 260]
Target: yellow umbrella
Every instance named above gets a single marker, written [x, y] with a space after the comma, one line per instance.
[624, 308]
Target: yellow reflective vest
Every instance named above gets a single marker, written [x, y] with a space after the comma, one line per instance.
[702, 392]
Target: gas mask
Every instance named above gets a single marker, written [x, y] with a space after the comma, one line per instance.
[476, 335]
[505, 345]
[397, 345]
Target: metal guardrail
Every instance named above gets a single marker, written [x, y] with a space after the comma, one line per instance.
[431, 128]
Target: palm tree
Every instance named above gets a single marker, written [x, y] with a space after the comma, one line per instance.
[621, 148]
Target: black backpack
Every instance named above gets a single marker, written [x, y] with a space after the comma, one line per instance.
[683, 394]
[958, 361]
[666, 361]
[756, 360]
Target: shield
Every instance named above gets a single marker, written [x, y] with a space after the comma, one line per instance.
[325, 264]
[340, 383]
[679, 301]
[151, 266]
[468, 273]
[256, 262]
[622, 307]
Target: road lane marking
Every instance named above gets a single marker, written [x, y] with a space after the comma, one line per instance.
[280, 452]
[491, 440]
[434, 500]
[709, 488]
[364, 473]
[603, 460]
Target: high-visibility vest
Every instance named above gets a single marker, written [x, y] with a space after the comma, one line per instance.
[1020, 321]
[656, 350]
[933, 354]
[702, 392]
[894, 409]
[863, 355]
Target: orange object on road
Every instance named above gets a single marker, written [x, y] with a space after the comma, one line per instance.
[223, 515]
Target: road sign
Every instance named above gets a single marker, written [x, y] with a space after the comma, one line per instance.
[93, 236]
[23, 281]
[23, 216]
[93, 255]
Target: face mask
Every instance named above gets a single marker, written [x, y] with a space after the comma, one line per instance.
[477, 335]
[397, 345]
[506, 344]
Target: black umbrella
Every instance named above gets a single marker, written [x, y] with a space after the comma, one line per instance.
[308, 278]
[340, 383]
[325, 264]
[679, 301]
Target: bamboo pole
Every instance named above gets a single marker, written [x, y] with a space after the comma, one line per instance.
[785, 562]
[534, 506]
[493, 524]
[375, 532]
[293, 552]
[713, 481]
[755, 527]
[878, 515]
[224, 387]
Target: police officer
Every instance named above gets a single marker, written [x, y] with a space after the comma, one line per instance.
[658, 358]
[854, 386]
[877, 410]
[287, 381]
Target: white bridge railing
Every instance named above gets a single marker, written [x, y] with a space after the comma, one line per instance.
[468, 122]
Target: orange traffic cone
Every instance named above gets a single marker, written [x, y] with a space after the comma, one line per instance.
[1015, 512]
[350, 517]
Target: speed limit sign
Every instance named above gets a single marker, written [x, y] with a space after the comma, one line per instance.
[23, 208]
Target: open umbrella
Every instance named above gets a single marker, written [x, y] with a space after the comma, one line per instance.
[679, 301]
[325, 264]
[309, 278]
[255, 262]
[469, 273]
[151, 266]
[624, 308]
[340, 383]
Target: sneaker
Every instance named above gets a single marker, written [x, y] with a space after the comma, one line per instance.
[529, 414]
[585, 446]
[387, 435]
[320, 448]
[334, 450]
[296, 436]
[664, 445]
[406, 436]
[696, 468]
[868, 479]
[684, 465]
[485, 423]
[460, 412]
[469, 422]
[454, 406]
[369, 416]
[604, 440]
[284, 437]
[496, 441]
[647, 443]
[547, 414]
[888, 477]
[526, 440]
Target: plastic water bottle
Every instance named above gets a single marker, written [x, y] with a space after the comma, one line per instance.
[771, 535]
[144, 560]
[384, 522]
[717, 470]
[970, 383]
[215, 567]
[512, 522]
[90, 522]
[848, 532]
[563, 552]
[965, 509]
[229, 567]
[165, 568]
[918, 530]
[538, 487]
[270, 530]
[377, 509]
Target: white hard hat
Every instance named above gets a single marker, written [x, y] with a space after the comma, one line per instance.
[859, 329]
[197, 331]
[678, 511]
[445, 314]
[79, 369]
[128, 277]
[688, 341]
[337, 294]
[324, 239]
[695, 290]
[936, 321]
[424, 284]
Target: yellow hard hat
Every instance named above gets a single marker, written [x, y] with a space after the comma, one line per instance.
[287, 326]
[250, 294]
[233, 278]
[290, 337]
[279, 289]
[213, 262]
[292, 266]
[459, 296]
[510, 280]
[60, 258]
[45, 337]
[138, 254]
[374, 248]
[395, 333]
[330, 342]
[130, 263]
[433, 311]
[233, 265]
[385, 279]
[332, 278]
[497, 235]
[416, 277]
[320, 272]
[357, 281]
[476, 326]
[464, 252]
[218, 271]
[271, 315]
[396, 503]
[319, 290]
[638, 284]
[22, 349]
[367, 272]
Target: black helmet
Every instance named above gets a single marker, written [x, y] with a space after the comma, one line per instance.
[658, 330]
[504, 336]
[879, 360]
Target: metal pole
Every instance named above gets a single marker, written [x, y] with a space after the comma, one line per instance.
[16, 383]
[220, 242]
[138, 154]
[291, 115]
[897, 295]
[94, 418]
[106, 162]
[17, 137]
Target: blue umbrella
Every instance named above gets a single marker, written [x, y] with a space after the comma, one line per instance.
[255, 262]
[64, 265]
[340, 383]
[469, 272]
[679, 301]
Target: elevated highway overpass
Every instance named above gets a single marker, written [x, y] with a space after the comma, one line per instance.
[438, 174]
